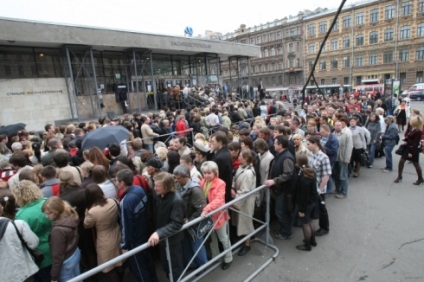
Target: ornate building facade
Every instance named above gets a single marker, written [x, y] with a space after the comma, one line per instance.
[371, 39]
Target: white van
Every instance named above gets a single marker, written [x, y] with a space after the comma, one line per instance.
[414, 88]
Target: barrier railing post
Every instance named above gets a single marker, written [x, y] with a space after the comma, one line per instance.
[267, 215]
[168, 257]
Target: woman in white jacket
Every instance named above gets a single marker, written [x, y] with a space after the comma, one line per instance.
[244, 182]
[17, 264]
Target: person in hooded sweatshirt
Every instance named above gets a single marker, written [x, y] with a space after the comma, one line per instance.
[63, 239]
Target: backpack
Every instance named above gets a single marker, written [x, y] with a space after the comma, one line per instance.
[397, 139]
[56, 189]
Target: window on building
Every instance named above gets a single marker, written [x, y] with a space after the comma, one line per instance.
[373, 59]
[346, 42]
[324, 47]
[265, 38]
[359, 61]
[291, 47]
[7, 70]
[419, 77]
[334, 80]
[322, 27]
[360, 40]
[291, 63]
[346, 22]
[273, 67]
[322, 82]
[421, 6]
[252, 40]
[346, 62]
[360, 19]
[279, 35]
[388, 57]
[388, 34]
[336, 26]
[419, 53]
[311, 48]
[373, 37]
[272, 51]
[406, 8]
[258, 39]
[272, 36]
[334, 44]
[243, 41]
[402, 78]
[405, 32]
[374, 15]
[311, 65]
[297, 46]
[266, 52]
[345, 80]
[334, 64]
[404, 55]
[322, 65]
[389, 12]
[311, 29]
[259, 68]
[298, 62]
[280, 50]
[420, 30]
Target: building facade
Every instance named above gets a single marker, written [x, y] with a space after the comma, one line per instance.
[371, 40]
[281, 62]
[51, 72]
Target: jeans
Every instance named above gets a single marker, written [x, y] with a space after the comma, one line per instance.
[190, 247]
[341, 176]
[283, 214]
[389, 158]
[223, 237]
[71, 266]
[371, 153]
[149, 147]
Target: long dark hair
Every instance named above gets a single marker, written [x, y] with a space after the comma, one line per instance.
[315, 140]
[302, 163]
[94, 196]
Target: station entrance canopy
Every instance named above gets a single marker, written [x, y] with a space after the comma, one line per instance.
[95, 61]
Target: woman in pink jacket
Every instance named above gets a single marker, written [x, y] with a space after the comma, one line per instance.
[214, 191]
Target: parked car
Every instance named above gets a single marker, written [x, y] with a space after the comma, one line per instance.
[417, 96]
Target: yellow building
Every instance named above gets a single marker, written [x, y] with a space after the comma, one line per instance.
[370, 40]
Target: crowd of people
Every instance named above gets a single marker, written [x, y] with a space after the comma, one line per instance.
[81, 207]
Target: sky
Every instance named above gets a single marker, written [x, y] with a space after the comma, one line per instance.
[161, 17]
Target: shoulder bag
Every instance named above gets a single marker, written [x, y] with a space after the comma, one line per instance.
[401, 149]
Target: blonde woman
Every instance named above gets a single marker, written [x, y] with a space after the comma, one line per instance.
[299, 146]
[28, 196]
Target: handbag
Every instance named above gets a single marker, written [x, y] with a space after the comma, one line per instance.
[37, 255]
[365, 159]
[401, 149]
[199, 230]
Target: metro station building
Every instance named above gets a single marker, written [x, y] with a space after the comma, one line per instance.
[51, 72]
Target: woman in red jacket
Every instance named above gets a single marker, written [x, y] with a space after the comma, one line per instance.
[214, 191]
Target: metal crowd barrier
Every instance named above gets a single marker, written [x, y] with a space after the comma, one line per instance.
[215, 262]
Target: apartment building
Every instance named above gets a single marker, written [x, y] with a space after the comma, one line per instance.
[370, 40]
[281, 60]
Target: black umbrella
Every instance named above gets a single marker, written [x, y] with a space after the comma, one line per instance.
[104, 136]
[12, 128]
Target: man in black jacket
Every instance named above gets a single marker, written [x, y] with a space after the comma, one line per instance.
[222, 157]
[280, 180]
[169, 219]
